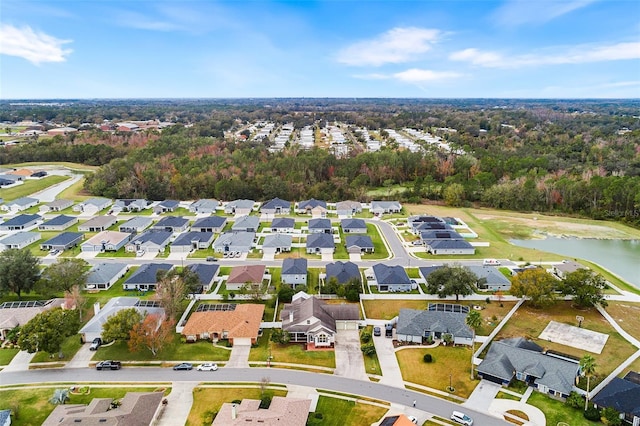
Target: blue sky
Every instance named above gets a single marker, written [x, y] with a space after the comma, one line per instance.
[261, 48]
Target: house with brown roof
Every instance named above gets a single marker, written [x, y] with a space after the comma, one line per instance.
[240, 323]
[281, 411]
[252, 275]
[106, 241]
[98, 224]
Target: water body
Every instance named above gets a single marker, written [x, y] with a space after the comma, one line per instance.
[621, 257]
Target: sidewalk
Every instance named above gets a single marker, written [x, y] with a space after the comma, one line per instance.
[179, 403]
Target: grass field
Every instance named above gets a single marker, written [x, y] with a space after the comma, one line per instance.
[371, 363]
[341, 412]
[6, 355]
[290, 353]
[29, 187]
[627, 315]
[70, 346]
[556, 411]
[72, 166]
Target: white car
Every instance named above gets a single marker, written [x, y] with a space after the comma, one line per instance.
[207, 367]
[413, 419]
[461, 418]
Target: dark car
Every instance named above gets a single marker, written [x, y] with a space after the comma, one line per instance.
[212, 259]
[377, 331]
[108, 365]
[388, 330]
[95, 344]
[183, 366]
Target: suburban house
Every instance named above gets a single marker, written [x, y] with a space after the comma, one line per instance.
[566, 267]
[18, 313]
[623, 395]
[19, 240]
[189, 241]
[418, 325]
[131, 205]
[59, 205]
[234, 241]
[312, 321]
[209, 224]
[106, 241]
[135, 409]
[239, 207]
[439, 234]
[19, 204]
[282, 410]
[149, 242]
[166, 206]
[425, 222]
[343, 272]
[98, 224]
[276, 206]
[524, 360]
[348, 208]
[283, 225]
[320, 226]
[359, 244]
[378, 208]
[320, 244]
[206, 273]
[92, 206]
[294, 271]
[315, 208]
[63, 241]
[276, 243]
[104, 275]
[353, 226]
[442, 246]
[174, 224]
[246, 224]
[204, 206]
[251, 275]
[145, 277]
[239, 323]
[6, 180]
[58, 223]
[490, 278]
[136, 224]
[391, 278]
[20, 222]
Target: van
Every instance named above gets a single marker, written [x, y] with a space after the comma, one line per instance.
[388, 330]
[461, 418]
[491, 262]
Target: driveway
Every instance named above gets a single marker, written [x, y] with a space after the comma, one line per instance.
[179, 403]
[239, 355]
[327, 257]
[483, 395]
[20, 362]
[355, 257]
[500, 406]
[391, 374]
[82, 358]
[349, 359]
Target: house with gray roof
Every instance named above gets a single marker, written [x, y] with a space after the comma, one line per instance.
[5, 417]
[209, 224]
[105, 275]
[173, 224]
[166, 206]
[93, 327]
[276, 243]
[58, 223]
[188, 241]
[276, 206]
[490, 278]
[150, 242]
[234, 241]
[353, 226]
[135, 224]
[63, 241]
[440, 234]
[518, 359]
[294, 271]
[204, 206]
[98, 224]
[207, 274]
[19, 204]
[246, 224]
[359, 244]
[378, 208]
[320, 244]
[320, 226]
[415, 325]
[239, 207]
[431, 222]
[145, 278]
[623, 395]
[348, 208]
[59, 205]
[314, 207]
[566, 267]
[343, 272]
[131, 205]
[391, 278]
[92, 206]
[285, 225]
[106, 241]
[443, 246]
[20, 222]
[19, 240]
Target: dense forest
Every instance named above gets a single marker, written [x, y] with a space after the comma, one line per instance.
[570, 157]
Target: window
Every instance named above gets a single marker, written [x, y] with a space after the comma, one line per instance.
[322, 338]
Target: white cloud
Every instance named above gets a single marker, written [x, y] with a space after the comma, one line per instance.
[415, 75]
[35, 47]
[575, 55]
[519, 12]
[395, 46]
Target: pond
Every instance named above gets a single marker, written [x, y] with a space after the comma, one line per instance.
[622, 257]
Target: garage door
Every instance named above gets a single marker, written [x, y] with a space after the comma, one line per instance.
[242, 341]
[347, 325]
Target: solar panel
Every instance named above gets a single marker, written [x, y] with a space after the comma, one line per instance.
[442, 235]
[206, 307]
[448, 307]
[147, 304]
[22, 304]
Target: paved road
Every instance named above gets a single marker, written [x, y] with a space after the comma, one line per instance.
[320, 381]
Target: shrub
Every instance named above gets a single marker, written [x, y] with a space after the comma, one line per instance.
[365, 337]
[611, 416]
[575, 400]
[318, 416]
[369, 349]
[592, 413]
[488, 300]
[427, 358]
[265, 401]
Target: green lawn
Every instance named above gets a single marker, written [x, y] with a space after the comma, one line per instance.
[380, 249]
[341, 412]
[556, 411]
[371, 363]
[70, 346]
[30, 186]
[6, 355]
[291, 353]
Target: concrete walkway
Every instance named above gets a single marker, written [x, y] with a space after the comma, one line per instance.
[500, 406]
[483, 395]
[239, 357]
[391, 374]
[82, 358]
[20, 362]
[349, 359]
[179, 403]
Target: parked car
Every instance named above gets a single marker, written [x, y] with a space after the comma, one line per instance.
[417, 242]
[388, 330]
[212, 259]
[53, 252]
[413, 419]
[183, 366]
[95, 344]
[461, 418]
[377, 331]
[108, 365]
[207, 366]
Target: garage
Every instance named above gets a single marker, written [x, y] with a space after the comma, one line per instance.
[242, 341]
[346, 325]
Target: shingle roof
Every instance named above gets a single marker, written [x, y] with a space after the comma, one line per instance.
[205, 271]
[243, 321]
[21, 220]
[64, 238]
[437, 234]
[170, 204]
[115, 304]
[277, 240]
[310, 204]
[343, 271]
[237, 238]
[23, 201]
[241, 204]
[187, 238]
[489, 275]
[172, 222]
[390, 274]
[275, 203]
[353, 224]
[448, 244]
[147, 273]
[282, 411]
[19, 237]
[153, 236]
[247, 274]
[319, 223]
[104, 272]
[307, 307]
[414, 322]
[349, 205]
[210, 222]
[246, 222]
[283, 222]
[59, 220]
[137, 222]
[110, 237]
[621, 394]
[294, 266]
[362, 241]
[320, 241]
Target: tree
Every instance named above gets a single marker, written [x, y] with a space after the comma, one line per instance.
[280, 336]
[173, 287]
[586, 287]
[454, 195]
[65, 274]
[610, 416]
[473, 320]
[76, 300]
[450, 280]
[536, 284]
[119, 325]
[368, 349]
[285, 294]
[588, 368]
[19, 271]
[152, 333]
[47, 330]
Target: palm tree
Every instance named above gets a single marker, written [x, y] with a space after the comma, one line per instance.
[588, 367]
[473, 320]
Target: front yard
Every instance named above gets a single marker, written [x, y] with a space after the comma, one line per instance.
[556, 411]
[341, 412]
[290, 353]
